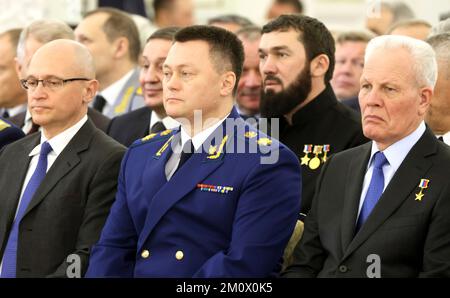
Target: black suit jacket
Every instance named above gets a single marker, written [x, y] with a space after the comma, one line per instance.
[68, 210]
[99, 120]
[411, 237]
[131, 126]
[323, 121]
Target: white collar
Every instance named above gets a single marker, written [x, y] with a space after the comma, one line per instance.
[396, 153]
[201, 137]
[169, 122]
[445, 137]
[111, 92]
[60, 141]
[17, 110]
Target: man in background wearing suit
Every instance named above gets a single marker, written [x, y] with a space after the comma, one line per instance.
[13, 99]
[8, 133]
[31, 39]
[382, 209]
[113, 39]
[216, 213]
[152, 118]
[57, 185]
[438, 115]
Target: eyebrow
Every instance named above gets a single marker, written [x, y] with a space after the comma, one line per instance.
[274, 49]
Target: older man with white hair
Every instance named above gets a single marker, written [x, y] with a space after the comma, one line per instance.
[381, 209]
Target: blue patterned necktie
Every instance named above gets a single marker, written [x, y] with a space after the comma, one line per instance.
[375, 189]
[10, 254]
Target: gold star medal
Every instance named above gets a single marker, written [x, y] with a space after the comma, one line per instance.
[314, 164]
[422, 185]
[305, 159]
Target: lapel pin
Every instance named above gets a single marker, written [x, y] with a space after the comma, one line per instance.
[423, 185]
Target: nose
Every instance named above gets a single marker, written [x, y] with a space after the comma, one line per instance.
[268, 66]
[172, 82]
[253, 79]
[152, 74]
[38, 92]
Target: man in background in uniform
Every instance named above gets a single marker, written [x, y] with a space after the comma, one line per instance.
[113, 39]
[297, 63]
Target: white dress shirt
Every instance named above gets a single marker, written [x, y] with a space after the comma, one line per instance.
[395, 155]
[111, 92]
[197, 142]
[58, 143]
[169, 122]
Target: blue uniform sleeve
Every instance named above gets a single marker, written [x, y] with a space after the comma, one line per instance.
[264, 221]
[115, 253]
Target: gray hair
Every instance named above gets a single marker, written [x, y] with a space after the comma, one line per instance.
[250, 33]
[43, 31]
[441, 46]
[441, 27]
[400, 11]
[425, 65]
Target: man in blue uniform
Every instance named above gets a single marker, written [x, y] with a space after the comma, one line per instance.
[226, 211]
[9, 133]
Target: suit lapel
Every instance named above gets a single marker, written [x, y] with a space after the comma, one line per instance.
[66, 162]
[405, 181]
[353, 188]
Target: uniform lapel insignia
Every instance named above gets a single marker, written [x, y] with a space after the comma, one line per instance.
[422, 185]
[215, 154]
[264, 142]
[3, 125]
[251, 134]
[164, 147]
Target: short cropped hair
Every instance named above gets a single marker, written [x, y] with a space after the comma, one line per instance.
[167, 33]
[425, 65]
[313, 34]
[231, 19]
[408, 23]
[226, 50]
[13, 35]
[120, 24]
[43, 31]
[441, 46]
[251, 33]
[354, 36]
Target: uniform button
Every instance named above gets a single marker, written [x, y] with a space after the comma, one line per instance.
[145, 254]
[343, 269]
[179, 255]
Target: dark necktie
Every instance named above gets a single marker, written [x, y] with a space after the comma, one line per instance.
[188, 150]
[10, 254]
[441, 138]
[157, 127]
[99, 103]
[34, 128]
[5, 114]
[375, 189]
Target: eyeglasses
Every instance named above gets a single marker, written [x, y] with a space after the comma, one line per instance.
[51, 84]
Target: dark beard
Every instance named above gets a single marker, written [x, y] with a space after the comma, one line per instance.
[276, 105]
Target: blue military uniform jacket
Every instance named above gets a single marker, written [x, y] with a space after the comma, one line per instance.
[9, 133]
[222, 214]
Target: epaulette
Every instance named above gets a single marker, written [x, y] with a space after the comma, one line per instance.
[154, 137]
[4, 125]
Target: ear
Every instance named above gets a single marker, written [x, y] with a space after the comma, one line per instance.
[121, 47]
[90, 91]
[319, 65]
[425, 95]
[228, 83]
[18, 68]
